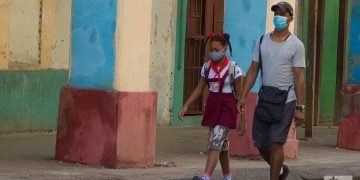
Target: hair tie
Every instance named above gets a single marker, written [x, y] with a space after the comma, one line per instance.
[211, 35]
[222, 37]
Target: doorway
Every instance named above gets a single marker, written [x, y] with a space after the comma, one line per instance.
[203, 16]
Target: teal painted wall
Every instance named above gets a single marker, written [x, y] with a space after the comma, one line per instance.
[329, 62]
[30, 99]
[353, 64]
[93, 44]
[245, 31]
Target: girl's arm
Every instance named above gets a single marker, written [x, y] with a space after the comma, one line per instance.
[194, 95]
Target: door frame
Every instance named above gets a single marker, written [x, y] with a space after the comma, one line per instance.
[178, 83]
[343, 52]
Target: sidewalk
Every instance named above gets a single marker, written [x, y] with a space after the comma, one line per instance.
[30, 156]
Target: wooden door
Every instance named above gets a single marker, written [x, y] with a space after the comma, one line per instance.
[203, 17]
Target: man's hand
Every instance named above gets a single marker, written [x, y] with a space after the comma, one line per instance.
[299, 118]
[240, 106]
[182, 112]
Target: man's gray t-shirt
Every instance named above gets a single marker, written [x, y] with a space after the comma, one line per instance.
[278, 61]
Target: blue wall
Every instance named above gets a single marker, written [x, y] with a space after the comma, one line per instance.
[93, 36]
[245, 21]
[353, 76]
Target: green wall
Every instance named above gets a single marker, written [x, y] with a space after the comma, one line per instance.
[329, 62]
[329, 58]
[29, 100]
[304, 23]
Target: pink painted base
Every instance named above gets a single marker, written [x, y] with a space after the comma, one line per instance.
[244, 146]
[349, 128]
[292, 144]
[106, 128]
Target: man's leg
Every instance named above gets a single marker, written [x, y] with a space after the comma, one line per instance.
[261, 135]
[278, 133]
[265, 153]
[276, 160]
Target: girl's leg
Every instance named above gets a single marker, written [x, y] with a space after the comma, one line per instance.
[213, 156]
[217, 142]
[225, 162]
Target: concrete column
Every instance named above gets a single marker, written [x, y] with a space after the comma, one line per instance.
[133, 45]
[349, 128]
[107, 114]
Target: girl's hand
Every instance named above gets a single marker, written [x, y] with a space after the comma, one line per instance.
[182, 112]
[241, 132]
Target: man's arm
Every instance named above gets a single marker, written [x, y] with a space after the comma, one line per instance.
[299, 85]
[249, 82]
[299, 90]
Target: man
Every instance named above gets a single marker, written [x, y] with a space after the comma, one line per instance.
[280, 57]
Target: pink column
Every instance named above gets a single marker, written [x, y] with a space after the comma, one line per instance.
[349, 129]
[106, 128]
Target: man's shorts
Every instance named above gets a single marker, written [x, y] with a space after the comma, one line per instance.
[265, 133]
[219, 138]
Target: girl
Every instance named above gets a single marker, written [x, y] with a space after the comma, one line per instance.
[224, 79]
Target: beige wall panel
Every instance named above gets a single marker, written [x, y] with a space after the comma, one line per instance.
[162, 55]
[24, 34]
[4, 34]
[133, 45]
[62, 38]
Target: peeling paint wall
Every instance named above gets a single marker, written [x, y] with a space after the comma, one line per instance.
[27, 25]
[34, 62]
[62, 37]
[4, 33]
[162, 55]
[24, 34]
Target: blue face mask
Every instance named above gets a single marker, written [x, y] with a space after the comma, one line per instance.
[217, 56]
[280, 22]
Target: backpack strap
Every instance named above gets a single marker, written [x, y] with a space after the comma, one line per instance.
[207, 66]
[260, 58]
[232, 72]
[207, 71]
